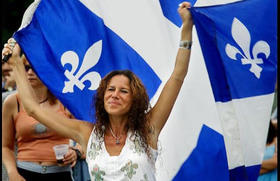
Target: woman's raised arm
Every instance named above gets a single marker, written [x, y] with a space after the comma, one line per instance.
[161, 111]
[71, 128]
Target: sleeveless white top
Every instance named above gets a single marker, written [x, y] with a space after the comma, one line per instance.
[132, 164]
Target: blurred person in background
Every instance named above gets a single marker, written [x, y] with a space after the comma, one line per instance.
[35, 158]
[8, 81]
[268, 170]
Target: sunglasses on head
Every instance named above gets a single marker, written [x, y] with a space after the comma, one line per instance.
[27, 67]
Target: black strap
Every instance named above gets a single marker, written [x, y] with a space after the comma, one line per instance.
[79, 154]
[18, 106]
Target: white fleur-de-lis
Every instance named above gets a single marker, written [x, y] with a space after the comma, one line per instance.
[242, 37]
[90, 59]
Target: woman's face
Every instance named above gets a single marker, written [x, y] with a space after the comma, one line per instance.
[31, 76]
[118, 96]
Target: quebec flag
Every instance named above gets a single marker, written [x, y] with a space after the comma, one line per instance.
[218, 126]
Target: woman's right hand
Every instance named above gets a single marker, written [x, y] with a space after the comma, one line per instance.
[15, 177]
[11, 48]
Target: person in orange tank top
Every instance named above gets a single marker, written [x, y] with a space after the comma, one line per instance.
[35, 156]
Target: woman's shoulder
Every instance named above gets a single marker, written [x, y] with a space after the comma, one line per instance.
[10, 106]
[6, 94]
[88, 125]
[11, 100]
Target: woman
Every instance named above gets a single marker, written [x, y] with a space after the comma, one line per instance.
[122, 145]
[268, 170]
[35, 156]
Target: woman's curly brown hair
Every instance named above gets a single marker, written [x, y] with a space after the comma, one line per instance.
[138, 121]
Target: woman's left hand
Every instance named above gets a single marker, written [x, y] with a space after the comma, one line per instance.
[70, 158]
[185, 14]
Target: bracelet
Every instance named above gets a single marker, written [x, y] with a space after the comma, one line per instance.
[185, 44]
[79, 154]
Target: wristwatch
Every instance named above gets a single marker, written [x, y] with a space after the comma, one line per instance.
[79, 154]
[185, 44]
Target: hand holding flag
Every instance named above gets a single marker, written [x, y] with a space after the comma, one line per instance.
[184, 12]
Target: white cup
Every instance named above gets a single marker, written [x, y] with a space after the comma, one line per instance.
[60, 151]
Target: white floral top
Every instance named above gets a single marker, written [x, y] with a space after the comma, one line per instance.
[132, 163]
